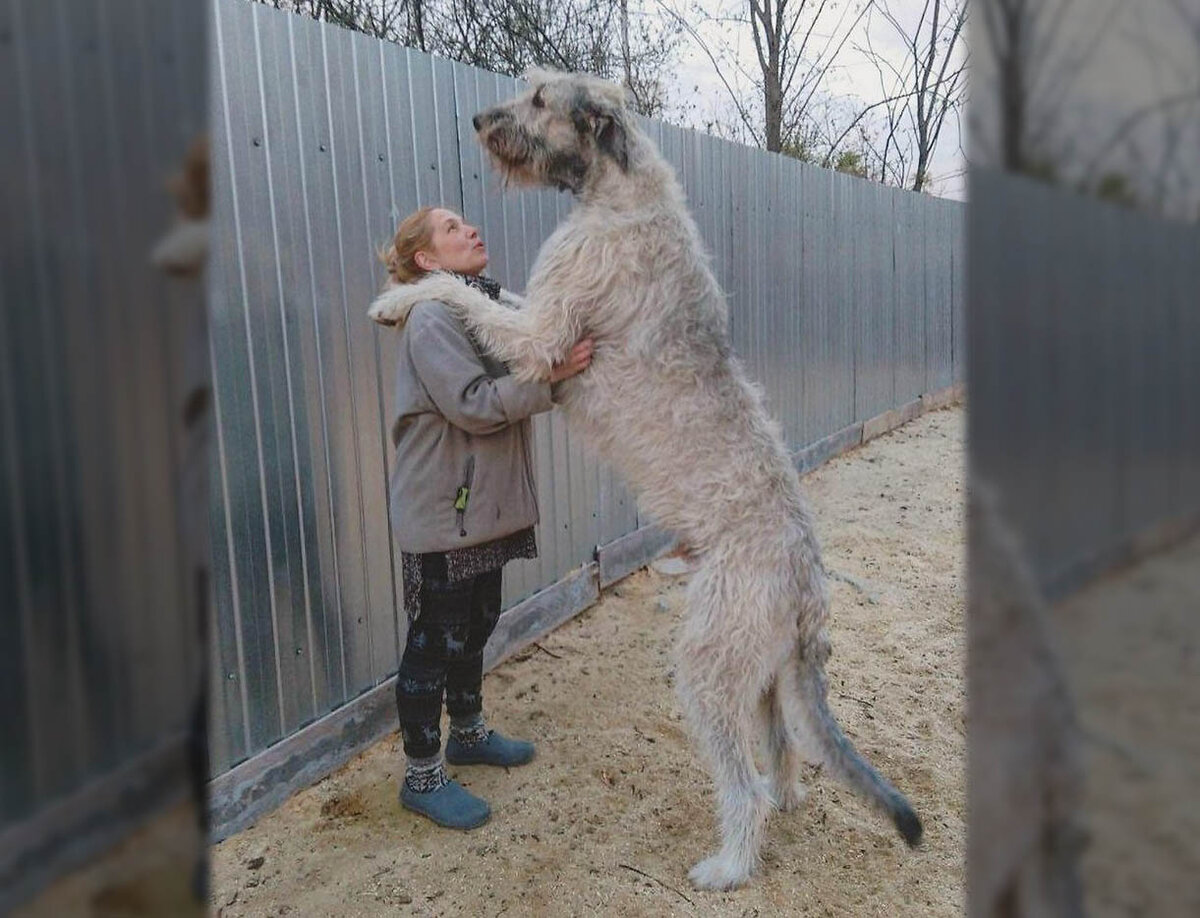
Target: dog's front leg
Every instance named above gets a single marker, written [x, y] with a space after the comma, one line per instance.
[531, 336]
[530, 340]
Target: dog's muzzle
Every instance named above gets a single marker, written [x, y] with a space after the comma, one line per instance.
[505, 143]
[488, 118]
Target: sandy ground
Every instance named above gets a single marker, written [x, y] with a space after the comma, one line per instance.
[616, 807]
[1131, 648]
[147, 874]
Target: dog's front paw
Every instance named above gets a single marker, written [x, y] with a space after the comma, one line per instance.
[719, 872]
[388, 309]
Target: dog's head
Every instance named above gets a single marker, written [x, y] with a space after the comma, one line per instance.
[562, 132]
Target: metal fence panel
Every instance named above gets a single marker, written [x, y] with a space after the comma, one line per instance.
[840, 412]
[227, 686]
[909, 246]
[789, 225]
[958, 312]
[1188, 279]
[1080, 358]
[816, 306]
[874, 378]
[318, 387]
[236, 396]
[939, 371]
[102, 634]
[373, 388]
[355, 338]
[1187, 283]
[290, 529]
[35, 496]
[94, 648]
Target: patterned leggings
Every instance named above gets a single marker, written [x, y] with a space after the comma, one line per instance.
[444, 653]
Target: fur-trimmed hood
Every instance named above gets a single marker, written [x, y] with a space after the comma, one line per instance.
[392, 307]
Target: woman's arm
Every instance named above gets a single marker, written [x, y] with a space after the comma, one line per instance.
[456, 381]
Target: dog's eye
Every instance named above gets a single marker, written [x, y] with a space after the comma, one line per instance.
[537, 100]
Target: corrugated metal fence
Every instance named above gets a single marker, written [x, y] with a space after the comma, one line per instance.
[1084, 379]
[100, 653]
[846, 300]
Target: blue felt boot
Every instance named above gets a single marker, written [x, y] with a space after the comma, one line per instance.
[495, 750]
[451, 806]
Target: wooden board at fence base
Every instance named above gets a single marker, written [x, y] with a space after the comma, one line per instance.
[541, 613]
[71, 832]
[834, 445]
[621, 557]
[890, 420]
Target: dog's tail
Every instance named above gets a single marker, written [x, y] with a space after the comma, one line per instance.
[844, 760]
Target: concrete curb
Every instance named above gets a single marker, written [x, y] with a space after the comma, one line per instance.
[89, 820]
[861, 432]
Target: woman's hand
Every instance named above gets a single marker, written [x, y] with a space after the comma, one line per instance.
[577, 361]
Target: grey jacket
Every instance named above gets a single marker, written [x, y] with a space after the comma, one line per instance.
[463, 473]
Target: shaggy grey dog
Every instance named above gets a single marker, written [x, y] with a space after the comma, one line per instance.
[667, 403]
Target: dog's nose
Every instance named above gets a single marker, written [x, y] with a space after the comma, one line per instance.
[489, 116]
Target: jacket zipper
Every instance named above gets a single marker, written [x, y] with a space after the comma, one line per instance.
[528, 468]
[463, 496]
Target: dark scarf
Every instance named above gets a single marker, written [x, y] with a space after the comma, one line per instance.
[490, 289]
[482, 283]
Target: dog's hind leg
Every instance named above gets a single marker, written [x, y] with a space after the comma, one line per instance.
[785, 737]
[723, 669]
[724, 732]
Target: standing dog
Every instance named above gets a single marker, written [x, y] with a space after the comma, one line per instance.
[667, 403]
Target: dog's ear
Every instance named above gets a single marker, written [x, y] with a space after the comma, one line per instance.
[612, 139]
[605, 124]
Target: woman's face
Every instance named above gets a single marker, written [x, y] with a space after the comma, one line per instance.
[455, 245]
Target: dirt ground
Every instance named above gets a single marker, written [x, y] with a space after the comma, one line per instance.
[147, 874]
[1131, 650]
[616, 807]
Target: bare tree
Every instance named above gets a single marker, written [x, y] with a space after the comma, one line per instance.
[901, 130]
[796, 44]
[625, 42]
[878, 128]
[877, 133]
[604, 37]
[1147, 158]
[394, 20]
[933, 82]
[799, 55]
[1032, 62]
[592, 36]
[1102, 97]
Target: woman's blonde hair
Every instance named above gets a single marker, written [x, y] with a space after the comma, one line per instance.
[414, 234]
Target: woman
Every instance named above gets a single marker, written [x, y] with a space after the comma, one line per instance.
[462, 504]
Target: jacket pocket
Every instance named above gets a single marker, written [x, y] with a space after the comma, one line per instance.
[463, 496]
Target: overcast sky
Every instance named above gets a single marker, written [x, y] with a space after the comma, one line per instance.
[854, 78]
[1116, 90]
